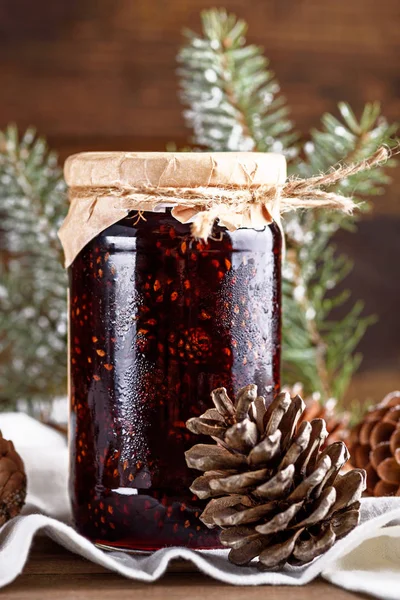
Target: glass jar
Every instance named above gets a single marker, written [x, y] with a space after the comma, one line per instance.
[157, 320]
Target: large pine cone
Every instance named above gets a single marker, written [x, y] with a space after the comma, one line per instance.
[375, 446]
[276, 495]
[12, 481]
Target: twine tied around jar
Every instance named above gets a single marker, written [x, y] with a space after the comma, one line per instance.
[251, 205]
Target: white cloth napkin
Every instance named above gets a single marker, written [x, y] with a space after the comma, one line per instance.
[367, 560]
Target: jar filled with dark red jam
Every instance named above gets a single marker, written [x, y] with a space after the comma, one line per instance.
[158, 319]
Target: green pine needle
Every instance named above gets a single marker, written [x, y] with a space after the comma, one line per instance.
[33, 307]
[233, 98]
[233, 103]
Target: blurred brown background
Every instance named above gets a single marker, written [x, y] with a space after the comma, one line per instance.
[100, 74]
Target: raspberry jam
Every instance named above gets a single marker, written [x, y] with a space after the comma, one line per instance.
[158, 320]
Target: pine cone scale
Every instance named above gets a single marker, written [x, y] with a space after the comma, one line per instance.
[304, 551]
[380, 453]
[276, 555]
[320, 509]
[382, 488]
[201, 485]
[275, 413]
[343, 523]
[290, 420]
[309, 484]
[389, 471]
[242, 436]
[361, 455]
[381, 432]
[317, 438]
[394, 442]
[12, 481]
[223, 403]
[207, 427]
[235, 483]
[349, 488]
[217, 506]
[242, 517]
[280, 498]
[245, 552]
[238, 536]
[277, 485]
[265, 451]
[299, 445]
[209, 458]
[280, 521]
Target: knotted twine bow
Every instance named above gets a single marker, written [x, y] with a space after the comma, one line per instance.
[233, 206]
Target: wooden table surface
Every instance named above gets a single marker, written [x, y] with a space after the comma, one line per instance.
[52, 573]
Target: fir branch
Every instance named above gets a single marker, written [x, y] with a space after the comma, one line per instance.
[316, 270]
[233, 97]
[33, 321]
[234, 104]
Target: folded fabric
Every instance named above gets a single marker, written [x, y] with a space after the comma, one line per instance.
[367, 560]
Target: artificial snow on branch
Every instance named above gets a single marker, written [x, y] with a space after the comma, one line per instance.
[233, 103]
[33, 300]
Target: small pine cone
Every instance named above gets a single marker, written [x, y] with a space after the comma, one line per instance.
[12, 481]
[274, 493]
[337, 423]
[375, 446]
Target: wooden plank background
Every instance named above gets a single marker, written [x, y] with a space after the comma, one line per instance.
[100, 74]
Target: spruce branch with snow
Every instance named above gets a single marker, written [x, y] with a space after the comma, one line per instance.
[233, 103]
[33, 305]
